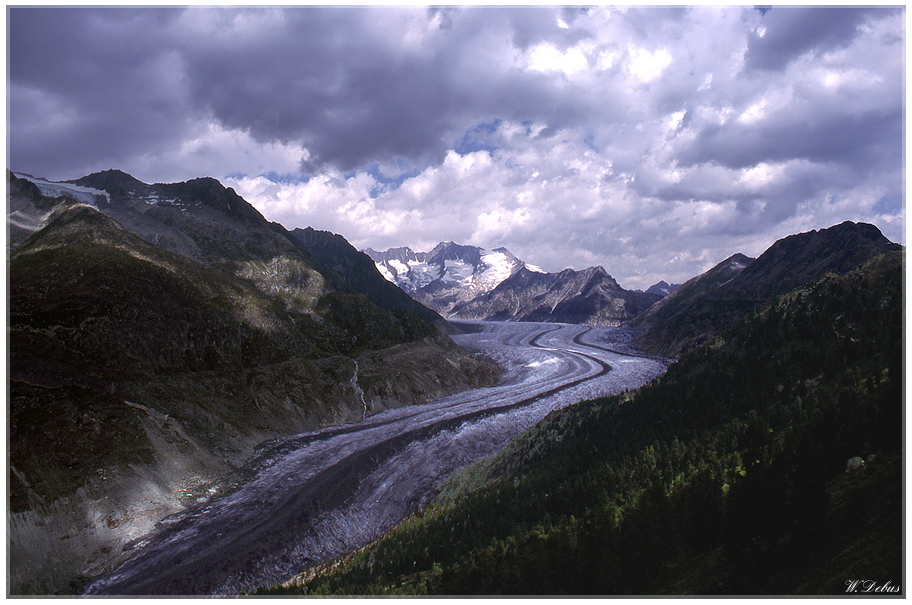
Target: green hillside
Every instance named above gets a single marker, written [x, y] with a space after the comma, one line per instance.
[728, 475]
[141, 379]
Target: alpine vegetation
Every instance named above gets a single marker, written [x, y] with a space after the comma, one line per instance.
[455, 301]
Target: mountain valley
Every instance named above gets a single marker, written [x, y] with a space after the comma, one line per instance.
[167, 344]
[146, 366]
[767, 463]
[467, 282]
[463, 301]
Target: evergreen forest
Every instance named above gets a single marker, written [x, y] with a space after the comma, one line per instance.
[767, 462]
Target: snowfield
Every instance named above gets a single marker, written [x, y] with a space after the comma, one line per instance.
[319, 495]
[86, 195]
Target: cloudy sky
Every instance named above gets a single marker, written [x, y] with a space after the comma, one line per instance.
[655, 142]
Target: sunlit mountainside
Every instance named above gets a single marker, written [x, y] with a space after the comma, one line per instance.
[165, 340]
[776, 449]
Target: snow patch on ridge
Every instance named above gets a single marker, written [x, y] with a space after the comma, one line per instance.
[387, 275]
[86, 195]
[498, 267]
[398, 266]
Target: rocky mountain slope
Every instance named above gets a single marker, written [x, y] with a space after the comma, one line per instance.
[359, 272]
[779, 450]
[662, 288]
[692, 311]
[157, 334]
[702, 307]
[448, 275]
[583, 297]
[27, 209]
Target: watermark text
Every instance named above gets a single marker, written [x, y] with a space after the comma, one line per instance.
[871, 587]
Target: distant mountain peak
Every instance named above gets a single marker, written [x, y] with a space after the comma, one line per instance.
[449, 274]
[111, 175]
[116, 183]
[736, 261]
[662, 288]
[590, 296]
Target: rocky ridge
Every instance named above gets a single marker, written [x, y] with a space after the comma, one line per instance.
[698, 310]
[662, 288]
[448, 275]
[590, 296]
[359, 272]
[157, 334]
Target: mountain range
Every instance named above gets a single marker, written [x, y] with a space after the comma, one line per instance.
[449, 275]
[590, 296]
[159, 333]
[468, 282]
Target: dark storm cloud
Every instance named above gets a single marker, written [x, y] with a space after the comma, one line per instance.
[850, 140]
[545, 129]
[323, 79]
[348, 104]
[62, 47]
[327, 78]
[115, 81]
[792, 31]
[87, 85]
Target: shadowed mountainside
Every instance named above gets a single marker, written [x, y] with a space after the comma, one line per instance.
[767, 463]
[359, 272]
[699, 309]
[590, 296]
[142, 377]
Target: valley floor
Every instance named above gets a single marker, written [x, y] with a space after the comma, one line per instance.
[321, 494]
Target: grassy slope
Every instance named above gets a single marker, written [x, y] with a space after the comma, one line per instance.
[154, 344]
[97, 315]
[725, 476]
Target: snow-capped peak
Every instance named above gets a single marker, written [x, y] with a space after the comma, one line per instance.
[448, 274]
